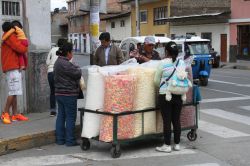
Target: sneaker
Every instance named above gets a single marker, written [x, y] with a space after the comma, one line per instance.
[19, 117]
[177, 147]
[5, 118]
[52, 113]
[164, 148]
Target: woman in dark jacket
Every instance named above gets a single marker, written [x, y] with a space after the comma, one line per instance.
[66, 77]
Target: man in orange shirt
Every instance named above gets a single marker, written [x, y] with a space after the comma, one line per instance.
[11, 48]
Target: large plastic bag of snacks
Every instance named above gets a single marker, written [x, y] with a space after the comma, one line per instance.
[116, 69]
[188, 112]
[151, 64]
[119, 97]
[144, 98]
[94, 101]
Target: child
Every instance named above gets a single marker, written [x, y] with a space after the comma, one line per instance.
[17, 28]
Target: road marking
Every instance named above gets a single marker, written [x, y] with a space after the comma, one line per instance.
[204, 164]
[245, 108]
[224, 99]
[220, 131]
[226, 92]
[75, 158]
[230, 83]
[227, 115]
[133, 154]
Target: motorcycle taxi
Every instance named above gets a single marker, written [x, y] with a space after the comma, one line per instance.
[202, 60]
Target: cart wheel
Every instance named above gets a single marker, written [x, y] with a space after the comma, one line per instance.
[85, 145]
[115, 151]
[192, 136]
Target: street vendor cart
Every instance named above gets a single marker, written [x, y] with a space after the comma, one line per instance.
[189, 121]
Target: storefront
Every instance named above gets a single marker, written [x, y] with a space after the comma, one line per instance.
[243, 42]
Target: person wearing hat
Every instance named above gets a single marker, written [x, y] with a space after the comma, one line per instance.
[147, 52]
[107, 53]
[170, 110]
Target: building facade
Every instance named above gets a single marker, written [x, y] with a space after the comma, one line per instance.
[78, 22]
[240, 30]
[208, 19]
[117, 23]
[152, 13]
[59, 24]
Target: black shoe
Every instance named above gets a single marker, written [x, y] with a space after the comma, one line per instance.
[52, 113]
[74, 144]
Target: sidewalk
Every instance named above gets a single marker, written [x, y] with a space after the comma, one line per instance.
[240, 64]
[38, 131]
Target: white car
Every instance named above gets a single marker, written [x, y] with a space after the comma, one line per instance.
[129, 44]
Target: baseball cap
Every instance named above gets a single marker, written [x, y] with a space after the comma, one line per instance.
[149, 40]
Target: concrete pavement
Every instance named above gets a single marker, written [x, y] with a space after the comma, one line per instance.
[40, 129]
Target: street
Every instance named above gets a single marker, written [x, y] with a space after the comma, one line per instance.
[223, 134]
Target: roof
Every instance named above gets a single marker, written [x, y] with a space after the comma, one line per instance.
[112, 16]
[205, 15]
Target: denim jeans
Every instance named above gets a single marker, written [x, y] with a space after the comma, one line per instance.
[52, 91]
[66, 119]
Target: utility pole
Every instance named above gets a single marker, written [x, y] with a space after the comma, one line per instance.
[94, 27]
[137, 12]
[169, 14]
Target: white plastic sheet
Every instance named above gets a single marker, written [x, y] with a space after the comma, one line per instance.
[94, 100]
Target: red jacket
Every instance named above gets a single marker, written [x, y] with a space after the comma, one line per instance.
[10, 50]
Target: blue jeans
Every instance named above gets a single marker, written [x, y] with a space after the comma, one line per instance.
[52, 91]
[66, 119]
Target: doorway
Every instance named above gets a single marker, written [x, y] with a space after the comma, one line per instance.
[223, 47]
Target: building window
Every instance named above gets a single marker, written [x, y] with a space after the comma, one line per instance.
[160, 14]
[122, 23]
[207, 35]
[112, 24]
[143, 16]
[10, 8]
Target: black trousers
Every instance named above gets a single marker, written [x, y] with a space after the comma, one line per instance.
[52, 90]
[170, 111]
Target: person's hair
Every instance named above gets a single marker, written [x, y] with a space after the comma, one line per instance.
[104, 36]
[17, 23]
[61, 41]
[64, 49]
[6, 26]
[172, 50]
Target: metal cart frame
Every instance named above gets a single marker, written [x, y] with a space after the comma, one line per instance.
[115, 149]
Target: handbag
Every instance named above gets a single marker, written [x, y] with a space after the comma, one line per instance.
[80, 95]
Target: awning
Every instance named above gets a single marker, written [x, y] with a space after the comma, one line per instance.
[195, 16]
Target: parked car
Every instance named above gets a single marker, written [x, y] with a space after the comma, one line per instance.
[215, 57]
[129, 44]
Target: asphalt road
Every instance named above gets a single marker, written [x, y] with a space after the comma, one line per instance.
[223, 135]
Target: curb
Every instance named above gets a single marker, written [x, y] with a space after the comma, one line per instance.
[29, 141]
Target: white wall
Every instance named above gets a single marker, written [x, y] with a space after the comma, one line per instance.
[119, 33]
[215, 29]
[39, 24]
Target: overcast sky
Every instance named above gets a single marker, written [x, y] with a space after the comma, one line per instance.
[57, 4]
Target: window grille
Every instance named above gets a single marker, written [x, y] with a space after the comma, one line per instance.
[10, 8]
